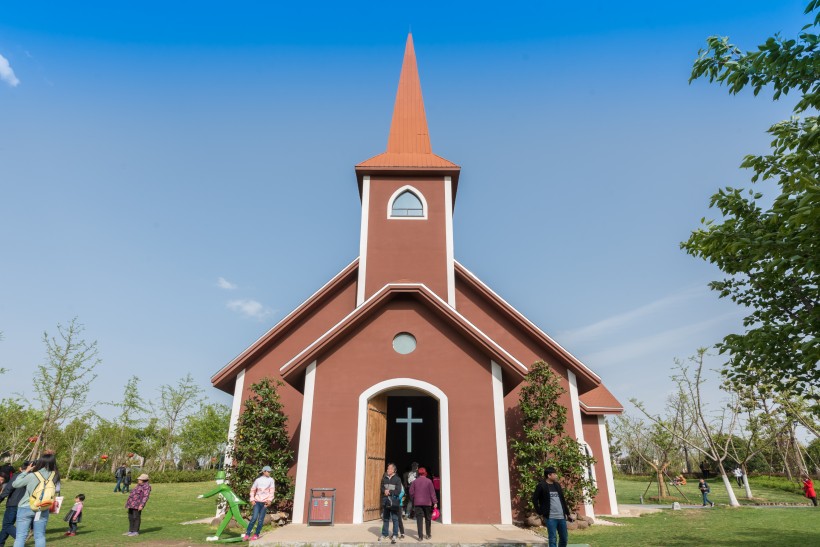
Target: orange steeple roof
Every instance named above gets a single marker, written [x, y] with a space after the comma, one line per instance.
[408, 145]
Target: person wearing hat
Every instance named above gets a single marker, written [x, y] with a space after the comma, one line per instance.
[136, 503]
[234, 501]
[262, 493]
[549, 502]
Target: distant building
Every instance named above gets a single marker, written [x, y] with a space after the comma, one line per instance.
[405, 355]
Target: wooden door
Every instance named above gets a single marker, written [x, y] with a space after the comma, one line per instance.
[374, 456]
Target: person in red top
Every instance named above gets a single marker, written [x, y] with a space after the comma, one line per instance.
[808, 488]
[424, 499]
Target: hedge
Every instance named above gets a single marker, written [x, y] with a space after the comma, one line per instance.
[170, 476]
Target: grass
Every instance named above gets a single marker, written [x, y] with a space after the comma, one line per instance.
[105, 517]
[105, 520]
[764, 490]
[718, 527]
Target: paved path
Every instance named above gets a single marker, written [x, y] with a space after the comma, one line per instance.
[300, 535]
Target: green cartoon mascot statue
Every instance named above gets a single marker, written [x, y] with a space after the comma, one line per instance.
[232, 510]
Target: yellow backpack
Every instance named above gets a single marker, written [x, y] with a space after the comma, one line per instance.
[42, 498]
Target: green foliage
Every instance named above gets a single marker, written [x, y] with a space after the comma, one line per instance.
[542, 441]
[262, 439]
[17, 425]
[204, 434]
[157, 477]
[771, 254]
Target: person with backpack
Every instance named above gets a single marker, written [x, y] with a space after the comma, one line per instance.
[41, 481]
[703, 486]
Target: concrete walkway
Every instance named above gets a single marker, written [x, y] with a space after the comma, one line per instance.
[300, 535]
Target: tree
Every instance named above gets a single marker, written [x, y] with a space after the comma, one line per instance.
[132, 407]
[174, 404]
[261, 438]
[204, 435]
[713, 433]
[770, 253]
[658, 444]
[542, 441]
[18, 426]
[63, 381]
[72, 439]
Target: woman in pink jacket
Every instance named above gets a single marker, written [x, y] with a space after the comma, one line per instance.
[424, 499]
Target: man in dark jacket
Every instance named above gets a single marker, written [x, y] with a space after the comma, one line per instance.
[12, 497]
[391, 505]
[549, 502]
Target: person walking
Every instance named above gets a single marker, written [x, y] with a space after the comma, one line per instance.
[808, 489]
[391, 489]
[41, 475]
[12, 496]
[703, 486]
[75, 516]
[126, 481]
[263, 490]
[135, 504]
[549, 502]
[739, 476]
[119, 474]
[423, 497]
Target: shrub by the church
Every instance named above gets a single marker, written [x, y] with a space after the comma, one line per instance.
[262, 439]
[541, 441]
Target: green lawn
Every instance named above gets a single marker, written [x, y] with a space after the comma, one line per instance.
[718, 527]
[105, 517]
[630, 490]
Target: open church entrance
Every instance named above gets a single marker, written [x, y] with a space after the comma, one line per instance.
[402, 427]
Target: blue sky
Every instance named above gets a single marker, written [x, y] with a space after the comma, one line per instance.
[179, 176]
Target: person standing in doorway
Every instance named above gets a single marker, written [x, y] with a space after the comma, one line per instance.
[409, 477]
[391, 506]
[262, 492]
[703, 486]
[549, 502]
[808, 488]
[136, 503]
[424, 499]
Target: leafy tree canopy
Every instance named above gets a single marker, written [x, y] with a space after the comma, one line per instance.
[771, 254]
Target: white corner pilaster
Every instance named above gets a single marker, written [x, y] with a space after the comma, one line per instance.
[505, 502]
[576, 419]
[606, 457]
[363, 241]
[448, 223]
[236, 410]
[300, 486]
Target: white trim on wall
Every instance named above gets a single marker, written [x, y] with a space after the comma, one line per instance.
[448, 225]
[361, 442]
[605, 456]
[504, 500]
[236, 409]
[576, 419]
[305, 426]
[418, 194]
[363, 240]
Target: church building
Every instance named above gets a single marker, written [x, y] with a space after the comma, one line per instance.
[406, 356]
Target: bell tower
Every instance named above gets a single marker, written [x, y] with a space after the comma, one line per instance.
[408, 195]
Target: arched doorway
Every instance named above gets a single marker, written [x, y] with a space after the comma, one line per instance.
[400, 421]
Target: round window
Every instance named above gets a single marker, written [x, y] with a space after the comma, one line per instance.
[404, 343]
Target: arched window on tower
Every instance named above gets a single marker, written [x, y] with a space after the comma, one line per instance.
[407, 204]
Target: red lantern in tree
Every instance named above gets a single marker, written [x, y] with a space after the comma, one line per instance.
[104, 457]
[32, 439]
[130, 454]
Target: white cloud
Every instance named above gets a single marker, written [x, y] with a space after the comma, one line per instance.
[223, 283]
[6, 73]
[666, 340]
[616, 322]
[249, 308]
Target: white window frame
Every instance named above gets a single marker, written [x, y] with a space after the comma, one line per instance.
[399, 192]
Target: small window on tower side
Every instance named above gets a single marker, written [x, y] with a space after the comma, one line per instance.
[407, 204]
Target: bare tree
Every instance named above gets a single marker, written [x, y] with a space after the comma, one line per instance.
[714, 431]
[173, 406]
[63, 381]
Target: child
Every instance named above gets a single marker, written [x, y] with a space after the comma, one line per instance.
[704, 491]
[75, 515]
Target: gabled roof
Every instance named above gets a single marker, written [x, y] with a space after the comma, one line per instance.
[516, 370]
[600, 401]
[227, 374]
[528, 326]
[408, 145]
